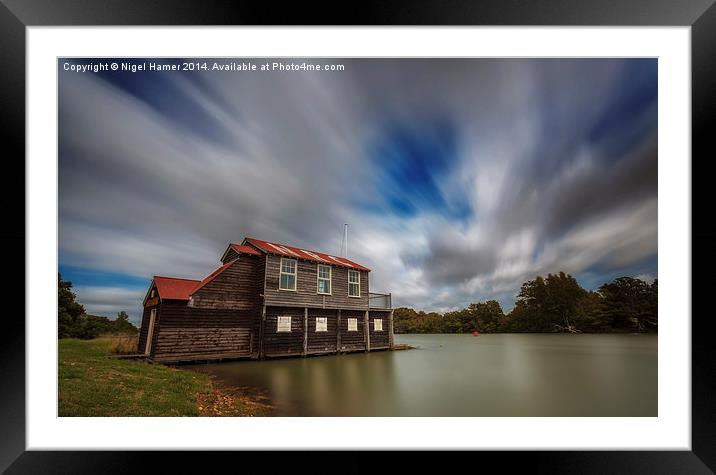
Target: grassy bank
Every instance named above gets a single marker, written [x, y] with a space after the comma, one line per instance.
[92, 383]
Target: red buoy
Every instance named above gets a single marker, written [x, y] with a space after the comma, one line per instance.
[475, 333]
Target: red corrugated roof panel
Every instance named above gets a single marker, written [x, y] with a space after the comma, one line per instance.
[244, 249]
[297, 252]
[171, 288]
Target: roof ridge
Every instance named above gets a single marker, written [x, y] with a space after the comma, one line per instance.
[291, 245]
[345, 261]
[175, 278]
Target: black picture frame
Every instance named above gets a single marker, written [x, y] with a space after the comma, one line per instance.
[16, 15]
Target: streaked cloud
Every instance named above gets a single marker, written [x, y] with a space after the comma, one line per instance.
[460, 178]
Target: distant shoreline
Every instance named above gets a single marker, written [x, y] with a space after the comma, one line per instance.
[619, 332]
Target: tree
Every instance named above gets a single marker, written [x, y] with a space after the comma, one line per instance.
[486, 316]
[652, 316]
[122, 324]
[587, 316]
[563, 297]
[73, 321]
[554, 303]
[69, 311]
[547, 304]
[629, 303]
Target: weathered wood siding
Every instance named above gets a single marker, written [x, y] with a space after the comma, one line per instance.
[261, 276]
[283, 343]
[184, 333]
[231, 254]
[306, 294]
[238, 287]
[181, 344]
[353, 340]
[379, 339]
[223, 319]
[323, 341]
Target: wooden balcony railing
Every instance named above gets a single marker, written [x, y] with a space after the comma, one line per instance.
[380, 301]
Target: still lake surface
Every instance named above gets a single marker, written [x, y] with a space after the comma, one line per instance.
[461, 375]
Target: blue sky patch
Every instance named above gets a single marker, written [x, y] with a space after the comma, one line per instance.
[96, 278]
[411, 160]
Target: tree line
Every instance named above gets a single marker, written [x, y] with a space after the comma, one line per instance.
[74, 322]
[556, 303]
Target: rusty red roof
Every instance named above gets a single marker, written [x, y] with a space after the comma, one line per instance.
[297, 252]
[172, 288]
[244, 249]
[213, 276]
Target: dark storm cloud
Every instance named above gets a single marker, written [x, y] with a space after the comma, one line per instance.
[459, 178]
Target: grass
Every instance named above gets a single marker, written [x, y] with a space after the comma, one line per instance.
[92, 383]
[121, 344]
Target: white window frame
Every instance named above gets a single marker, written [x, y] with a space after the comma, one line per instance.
[278, 324]
[295, 274]
[319, 279]
[324, 324]
[349, 283]
[352, 320]
[375, 327]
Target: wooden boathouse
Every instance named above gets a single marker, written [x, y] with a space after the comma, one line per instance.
[266, 300]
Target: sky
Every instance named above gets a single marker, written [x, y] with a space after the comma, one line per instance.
[460, 179]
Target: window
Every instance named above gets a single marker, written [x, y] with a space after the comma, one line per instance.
[324, 279]
[153, 292]
[352, 324]
[378, 325]
[283, 324]
[288, 274]
[321, 324]
[353, 283]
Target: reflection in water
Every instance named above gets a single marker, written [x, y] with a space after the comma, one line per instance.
[462, 375]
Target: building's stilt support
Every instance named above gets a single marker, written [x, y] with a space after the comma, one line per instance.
[391, 330]
[305, 331]
[262, 324]
[366, 325]
[338, 332]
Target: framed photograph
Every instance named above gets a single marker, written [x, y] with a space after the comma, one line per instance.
[430, 227]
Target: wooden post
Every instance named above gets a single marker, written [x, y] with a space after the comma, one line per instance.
[367, 331]
[262, 324]
[391, 330]
[338, 333]
[150, 331]
[305, 331]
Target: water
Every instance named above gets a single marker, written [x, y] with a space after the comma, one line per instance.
[462, 375]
